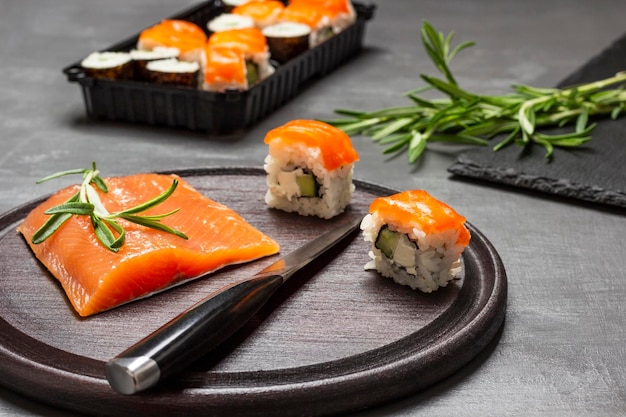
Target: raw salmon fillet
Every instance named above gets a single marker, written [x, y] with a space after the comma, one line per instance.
[96, 279]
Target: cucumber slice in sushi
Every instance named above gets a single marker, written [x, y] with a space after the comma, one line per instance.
[308, 185]
[287, 40]
[252, 72]
[387, 241]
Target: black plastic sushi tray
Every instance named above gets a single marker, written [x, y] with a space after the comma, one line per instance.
[212, 112]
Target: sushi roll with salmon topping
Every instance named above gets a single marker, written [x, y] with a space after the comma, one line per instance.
[287, 40]
[417, 240]
[108, 65]
[309, 168]
[224, 69]
[141, 58]
[252, 44]
[340, 13]
[263, 12]
[185, 36]
[312, 16]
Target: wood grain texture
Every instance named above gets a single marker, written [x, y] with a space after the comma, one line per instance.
[334, 339]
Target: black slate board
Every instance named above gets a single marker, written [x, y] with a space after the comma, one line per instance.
[594, 172]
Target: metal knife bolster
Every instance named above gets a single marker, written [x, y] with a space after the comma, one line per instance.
[207, 324]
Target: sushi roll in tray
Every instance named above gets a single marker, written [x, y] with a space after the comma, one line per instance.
[141, 58]
[286, 40]
[185, 36]
[314, 17]
[108, 65]
[309, 168]
[252, 44]
[224, 69]
[228, 21]
[340, 14]
[416, 239]
[171, 71]
[263, 12]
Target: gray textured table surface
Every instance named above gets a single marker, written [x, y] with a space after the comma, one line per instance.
[561, 351]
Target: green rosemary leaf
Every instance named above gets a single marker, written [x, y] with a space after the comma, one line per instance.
[143, 221]
[102, 186]
[87, 202]
[104, 234]
[352, 113]
[462, 116]
[416, 146]
[508, 140]
[60, 174]
[152, 217]
[581, 121]
[460, 139]
[396, 137]
[72, 207]
[152, 202]
[449, 88]
[392, 128]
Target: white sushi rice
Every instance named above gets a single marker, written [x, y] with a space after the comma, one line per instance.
[425, 261]
[172, 65]
[336, 186]
[104, 60]
[159, 52]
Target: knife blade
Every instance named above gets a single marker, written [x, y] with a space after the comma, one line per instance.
[208, 323]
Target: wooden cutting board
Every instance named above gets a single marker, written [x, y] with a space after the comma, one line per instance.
[594, 172]
[335, 338]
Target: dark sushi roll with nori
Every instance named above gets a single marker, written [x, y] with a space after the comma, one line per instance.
[141, 58]
[173, 72]
[108, 65]
[286, 40]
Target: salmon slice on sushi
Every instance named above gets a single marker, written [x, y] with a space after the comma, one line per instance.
[263, 12]
[417, 240]
[224, 69]
[314, 17]
[185, 36]
[252, 44]
[309, 168]
[339, 13]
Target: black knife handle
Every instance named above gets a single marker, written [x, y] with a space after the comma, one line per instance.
[190, 335]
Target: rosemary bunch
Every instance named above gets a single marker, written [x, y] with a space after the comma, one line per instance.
[465, 117]
[86, 202]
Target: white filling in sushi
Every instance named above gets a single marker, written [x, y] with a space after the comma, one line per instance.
[229, 21]
[421, 261]
[104, 60]
[287, 30]
[335, 187]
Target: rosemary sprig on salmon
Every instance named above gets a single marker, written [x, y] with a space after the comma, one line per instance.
[86, 202]
[464, 117]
